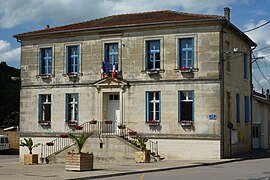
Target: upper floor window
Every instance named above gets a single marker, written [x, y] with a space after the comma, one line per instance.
[186, 106]
[72, 104]
[237, 108]
[111, 57]
[152, 106]
[152, 55]
[72, 62]
[247, 112]
[245, 66]
[186, 53]
[44, 108]
[45, 63]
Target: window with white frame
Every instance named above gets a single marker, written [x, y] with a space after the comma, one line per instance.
[72, 105]
[153, 106]
[44, 107]
[111, 57]
[45, 61]
[186, 105]
[152, 55]
[186, 53]
[73, 59]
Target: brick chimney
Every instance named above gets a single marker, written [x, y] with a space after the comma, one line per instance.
[227, 13]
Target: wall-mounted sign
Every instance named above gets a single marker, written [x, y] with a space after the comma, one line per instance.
[212, 116]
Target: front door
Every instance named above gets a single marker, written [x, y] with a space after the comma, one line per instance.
[113, 110]
[256, 136]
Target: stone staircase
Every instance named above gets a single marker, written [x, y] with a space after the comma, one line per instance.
[110, 142]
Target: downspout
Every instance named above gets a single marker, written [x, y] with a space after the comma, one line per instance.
[221, 74]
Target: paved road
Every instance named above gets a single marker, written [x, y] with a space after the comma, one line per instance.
[255, 169]
[9, 158]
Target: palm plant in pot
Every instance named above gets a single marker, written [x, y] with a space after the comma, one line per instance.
[30, 158]
[79, 161]
[143, 155]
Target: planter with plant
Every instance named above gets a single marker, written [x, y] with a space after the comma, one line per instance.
[143, 155]
[30, 158]
[79, 161]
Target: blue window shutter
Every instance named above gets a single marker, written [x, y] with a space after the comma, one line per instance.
[179, 106]
[67, 63]
[40, 61]
[66, 119]
[192, 42]
[78, 60]
[39, 107]
[147, 106]
[237, 108]
[159, 106]
[247, 109]
[147, 49]
[192, 105]
[179, 55]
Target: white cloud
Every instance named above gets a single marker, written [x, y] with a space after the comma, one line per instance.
[9, 54]
[14, 12]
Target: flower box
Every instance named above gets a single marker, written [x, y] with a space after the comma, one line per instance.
[78, 127]
[186, 122]
[72, 75]
[44, 122]
[153, 122]
[93, 122]
[185, 69]
[121, 126]
[44, 76]
[63, 135]
[132, 133]
[72, 123]
[152, 71]
[49, 143]
[108, 122]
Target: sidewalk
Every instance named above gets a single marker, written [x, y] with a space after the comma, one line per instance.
[20, 171]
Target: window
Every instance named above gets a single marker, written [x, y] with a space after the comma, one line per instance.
[237, 108]
[153, 106]
[246, 109]
[45, 62]
[114, 97]
[186, 53]
[44, 107]
[186, 105]
[245, 65]
[152, 55]
[72, 104]
[111, 57]
[73, 59]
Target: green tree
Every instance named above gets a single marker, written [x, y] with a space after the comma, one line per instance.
[80, 141]
[29, 144]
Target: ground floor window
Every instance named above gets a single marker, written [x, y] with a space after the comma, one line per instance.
[186, 106]
[44, 108]
[72, 107]
[153, 106]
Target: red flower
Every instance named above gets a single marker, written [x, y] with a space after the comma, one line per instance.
[93, 122]
[121, 126]
[153, 121]
[49, 143]
[132, 133]
[63, 135]
[78, 127]
[108, 122]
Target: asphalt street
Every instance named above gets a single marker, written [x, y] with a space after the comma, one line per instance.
[9, 158]
[253, 169]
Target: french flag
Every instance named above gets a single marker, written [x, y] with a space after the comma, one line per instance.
[103, 70]
[114, 71]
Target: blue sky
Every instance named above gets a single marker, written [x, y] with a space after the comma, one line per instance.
[17, 16]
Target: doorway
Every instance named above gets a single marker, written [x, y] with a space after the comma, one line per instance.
[113, 110]
[256, 131]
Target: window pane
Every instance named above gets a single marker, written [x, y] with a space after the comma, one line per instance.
[182, 96]
[186, 110]
[157, 116]
[6, 140]
[2, 140]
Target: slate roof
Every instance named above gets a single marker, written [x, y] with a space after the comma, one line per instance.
[127, 20]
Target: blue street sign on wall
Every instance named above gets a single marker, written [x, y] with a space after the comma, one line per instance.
[212, 116]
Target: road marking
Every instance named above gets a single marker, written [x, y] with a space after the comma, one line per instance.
[141, 176]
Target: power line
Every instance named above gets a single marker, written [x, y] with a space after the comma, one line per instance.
[257, 81]
[261, 48]
[257, 27]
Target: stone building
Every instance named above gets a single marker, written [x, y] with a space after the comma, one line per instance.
[177, 78]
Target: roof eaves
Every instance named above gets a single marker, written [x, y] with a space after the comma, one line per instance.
[116, 26]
